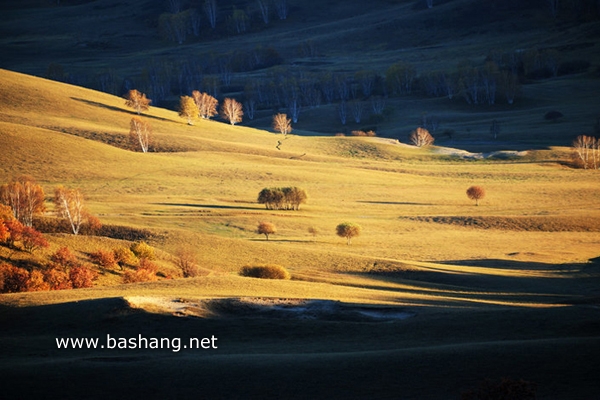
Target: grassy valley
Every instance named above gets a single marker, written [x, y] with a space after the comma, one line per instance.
[435, 295]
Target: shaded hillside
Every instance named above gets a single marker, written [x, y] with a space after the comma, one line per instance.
[300, 62]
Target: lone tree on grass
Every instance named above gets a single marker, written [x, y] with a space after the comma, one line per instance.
[232, 111]
[421, 137]
[140, 134]
[137, 101]
[282, 123]
[266, 228]
[476, 193]
[348, 230]
[188, 109]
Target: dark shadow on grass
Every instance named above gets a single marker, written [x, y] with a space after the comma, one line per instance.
[281, 240]
[520, 265]
[113, 108]
[396, 203]
[209, 206]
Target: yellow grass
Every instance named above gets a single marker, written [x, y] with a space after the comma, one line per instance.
[205, 198]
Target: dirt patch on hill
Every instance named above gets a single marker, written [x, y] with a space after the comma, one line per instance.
[270, 308]
[527, 223]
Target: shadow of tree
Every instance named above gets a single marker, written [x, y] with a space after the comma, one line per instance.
[224, 207]
[113, 108]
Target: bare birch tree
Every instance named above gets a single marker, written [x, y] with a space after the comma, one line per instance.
[421, 137]
[232, 111]
[282, 9]
[207, 104]
[587, 150]
[25, 198]
[210, 8]
[140, 134]
[282, 123]
[263, 6]
[137, 101]
[69, 205]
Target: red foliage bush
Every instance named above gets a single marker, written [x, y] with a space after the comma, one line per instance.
[15, 231]
[13, 279]
[64, 258]
[36, 282]
[105, 259]
[145, 272]
[82, 277]
[32, 239]
[57, 279]
[3, 232]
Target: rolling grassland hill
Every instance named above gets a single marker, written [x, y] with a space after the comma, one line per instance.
[114, 45]
[433, 297]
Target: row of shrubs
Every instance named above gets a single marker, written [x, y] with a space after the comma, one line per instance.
[16, 279]
[55, 225]
[66, 271]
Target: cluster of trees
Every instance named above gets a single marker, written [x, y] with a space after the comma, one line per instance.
[178, 24]
[286, 198]
[204, 105]
[140, 131]
[587, 152]
[14, 234]
[347, 230]
[25, 199]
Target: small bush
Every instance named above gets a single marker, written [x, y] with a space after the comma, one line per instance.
[143, 250]
[82, 277]
[36, 282]
[13, 279]
[186, 262]
[148, 265]
[63, 257]
[57, 279]
[124, 256]
[364, 133]
[139, 275]
[104, 258]
[32, 239]
[266, 271]
[144, 272]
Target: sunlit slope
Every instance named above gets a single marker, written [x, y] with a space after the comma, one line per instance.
[411, 203]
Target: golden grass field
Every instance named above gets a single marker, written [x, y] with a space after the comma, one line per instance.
[504, 289]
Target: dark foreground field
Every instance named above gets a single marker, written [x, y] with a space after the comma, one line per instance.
[306, 350]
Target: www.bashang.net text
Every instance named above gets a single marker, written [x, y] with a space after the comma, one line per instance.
[139, 342]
